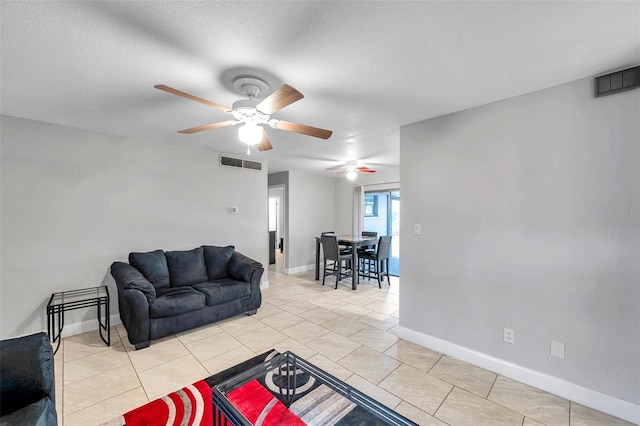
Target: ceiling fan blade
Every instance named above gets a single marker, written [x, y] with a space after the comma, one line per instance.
[285, 95]
[305, 130]
[265, 144]
[365, 170]
[192, 97]
[338, 168]
[208, 127]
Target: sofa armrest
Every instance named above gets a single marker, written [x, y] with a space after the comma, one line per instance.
[135, 294]
[128, 277]
[243, 268]
[134, 313]
[26, 368]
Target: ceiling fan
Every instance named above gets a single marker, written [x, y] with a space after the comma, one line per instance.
[252, 113]
[352, 169]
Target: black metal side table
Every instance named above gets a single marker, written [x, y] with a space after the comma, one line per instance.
[64, 301]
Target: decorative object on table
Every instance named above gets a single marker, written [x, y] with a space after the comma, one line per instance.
[70, 300]
[27, 381]
[163, 293]
[253, 113]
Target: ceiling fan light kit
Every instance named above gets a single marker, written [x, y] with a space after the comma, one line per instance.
[250, 134]
[351, 169]
[252, 114]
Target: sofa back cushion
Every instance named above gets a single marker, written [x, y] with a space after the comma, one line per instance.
[216, 259]
[153, 266]
[186, 267]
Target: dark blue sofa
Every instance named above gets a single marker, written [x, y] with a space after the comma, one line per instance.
[27, 381]
[162, 293]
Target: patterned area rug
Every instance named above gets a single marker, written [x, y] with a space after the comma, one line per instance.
[191, 405]
[263, 401]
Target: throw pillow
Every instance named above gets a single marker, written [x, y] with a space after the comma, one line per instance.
[216, 259]
[186, 267]
[153, 266]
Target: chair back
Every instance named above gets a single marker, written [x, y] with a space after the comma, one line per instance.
[384, 247]
[330, 247]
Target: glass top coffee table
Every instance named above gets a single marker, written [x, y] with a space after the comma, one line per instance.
[287, 390]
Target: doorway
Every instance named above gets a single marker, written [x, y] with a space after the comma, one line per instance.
[276, 227]
[382, 215]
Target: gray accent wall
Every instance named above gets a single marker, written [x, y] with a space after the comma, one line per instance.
[75, 201]
[311, 203]
[530, 220]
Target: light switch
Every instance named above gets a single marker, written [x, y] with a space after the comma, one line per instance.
[416, 229]
[557, 349]
[233, 209]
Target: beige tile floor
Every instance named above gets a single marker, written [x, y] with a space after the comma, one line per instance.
[349, 334]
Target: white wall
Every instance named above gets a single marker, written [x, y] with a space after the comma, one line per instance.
[345, 191]
[311, 211]
[529, 212]
[74, 201]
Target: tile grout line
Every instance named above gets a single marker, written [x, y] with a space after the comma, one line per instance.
[443, 400]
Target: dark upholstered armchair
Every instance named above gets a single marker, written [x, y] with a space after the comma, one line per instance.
[27, 381]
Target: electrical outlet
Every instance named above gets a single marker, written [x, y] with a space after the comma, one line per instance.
[508, 335]
[557, 349]
[416, 229]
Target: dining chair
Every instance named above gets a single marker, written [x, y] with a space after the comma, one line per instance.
[332, 253]
[376, 264]
[343, 249]
[371, 248]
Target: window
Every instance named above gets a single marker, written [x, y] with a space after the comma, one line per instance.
[370, 205]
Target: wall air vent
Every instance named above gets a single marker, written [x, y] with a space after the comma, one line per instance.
[616, 82]
[239, 163]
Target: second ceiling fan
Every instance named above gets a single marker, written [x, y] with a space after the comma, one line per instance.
[252, 113]
[351, 169]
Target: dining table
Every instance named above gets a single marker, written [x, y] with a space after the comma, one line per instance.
[354, 241]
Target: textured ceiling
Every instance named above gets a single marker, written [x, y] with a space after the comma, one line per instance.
[365, 68]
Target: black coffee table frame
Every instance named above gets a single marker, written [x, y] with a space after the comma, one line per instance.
[70, 300]
[291, 363]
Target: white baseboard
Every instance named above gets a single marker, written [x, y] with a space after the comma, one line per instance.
[588, 397]
[71, 329]
[264, 284]
[299, 269]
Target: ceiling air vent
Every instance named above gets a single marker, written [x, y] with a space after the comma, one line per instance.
[240, 163]
[616, 82]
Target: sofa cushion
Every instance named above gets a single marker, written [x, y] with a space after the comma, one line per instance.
[186, 267]
[223, 291]
[153, 266]
[216, 259]
[175, 301]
